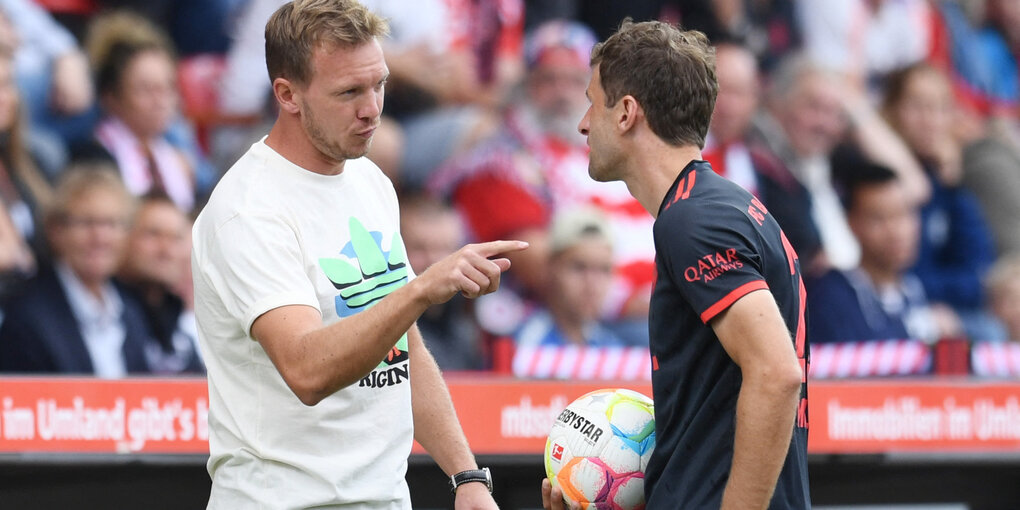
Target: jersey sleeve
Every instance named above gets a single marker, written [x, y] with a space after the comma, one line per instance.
[254, 264]
[712, 257]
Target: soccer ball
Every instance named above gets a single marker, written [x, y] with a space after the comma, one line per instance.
[598, 449]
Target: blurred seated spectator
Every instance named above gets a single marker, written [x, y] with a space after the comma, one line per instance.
[565, 338]
[991, 171]
[154, 268]
[432, 230]
[537, 165]
[136, 81]
[16, 260]
[734, 154]
[768, 28]
[72, 318]
[865, 39]
[956, 247]
[24, 189]
[580, 270]
[52, 73]
[811, 111]
[879, 299]
[972, 43]
[1001, 359]
[1003, 284]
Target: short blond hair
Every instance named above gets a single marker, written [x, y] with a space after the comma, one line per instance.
[83, 178]
[295, 30]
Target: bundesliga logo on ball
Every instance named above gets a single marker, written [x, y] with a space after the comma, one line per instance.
[598, 449]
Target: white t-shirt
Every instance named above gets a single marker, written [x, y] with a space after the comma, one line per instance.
[275, 234]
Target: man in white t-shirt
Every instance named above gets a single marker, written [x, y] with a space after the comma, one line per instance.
[306, 303]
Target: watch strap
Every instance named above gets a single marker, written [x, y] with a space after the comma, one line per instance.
[472, 475]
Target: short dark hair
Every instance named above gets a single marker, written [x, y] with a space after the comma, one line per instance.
[867, 174]
[669, 71]
[296, 29]
[115, 39]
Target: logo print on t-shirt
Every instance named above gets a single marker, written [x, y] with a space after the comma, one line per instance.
[365, 275]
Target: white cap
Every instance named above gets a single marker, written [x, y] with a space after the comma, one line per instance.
[570, 226]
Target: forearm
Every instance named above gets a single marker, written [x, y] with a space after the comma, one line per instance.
[882, 145]
[435, 420]
[318, 361]
[765, 416]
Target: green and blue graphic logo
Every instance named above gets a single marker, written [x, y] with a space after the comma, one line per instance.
[366, 274]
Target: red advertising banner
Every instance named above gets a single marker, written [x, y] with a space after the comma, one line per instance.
[887, 416]
[507, 416]
[101, 416]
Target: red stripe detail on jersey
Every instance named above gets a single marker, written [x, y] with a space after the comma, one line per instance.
[731, 298]
[655, 363]
[689, 185]
[801, 335]
[676, 195]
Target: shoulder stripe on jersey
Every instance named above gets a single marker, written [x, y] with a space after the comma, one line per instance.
[731, 298]
[689, 184]
[683, 189]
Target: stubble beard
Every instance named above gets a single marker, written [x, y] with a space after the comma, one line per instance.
[329, 148]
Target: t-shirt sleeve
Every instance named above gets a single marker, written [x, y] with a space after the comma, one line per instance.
[255, 265]
[712, 257]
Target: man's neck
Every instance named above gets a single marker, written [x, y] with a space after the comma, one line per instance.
[288, 139]
[654, 168]
[880, 276]
[570, 327]
[152, 292]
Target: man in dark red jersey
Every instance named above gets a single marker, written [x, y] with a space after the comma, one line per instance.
[729, 353]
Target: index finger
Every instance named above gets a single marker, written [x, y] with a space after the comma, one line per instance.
[497, 247]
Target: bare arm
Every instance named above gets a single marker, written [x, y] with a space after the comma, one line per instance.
[882, 145]
[755, 336]
[436, 426]
[317, 361]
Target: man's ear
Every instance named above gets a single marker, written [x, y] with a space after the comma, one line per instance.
[287, 95]
[628, 113]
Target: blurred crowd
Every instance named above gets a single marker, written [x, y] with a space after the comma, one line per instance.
[883, 135]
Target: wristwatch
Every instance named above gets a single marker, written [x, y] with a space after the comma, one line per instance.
[472, 475]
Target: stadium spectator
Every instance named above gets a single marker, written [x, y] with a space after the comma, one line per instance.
[24, 189]
[992, 173]
[136, 81]
[73, 318]
[956, 248]
[432, 230]
[879, 299]
[580, 271]
[536, 165]
[1001, 359]
[769, 29]
[52, 73]
[1003, 284]
[156, 262]
[748, 162]
[810, 112]
[972, 42]
[865, 39]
